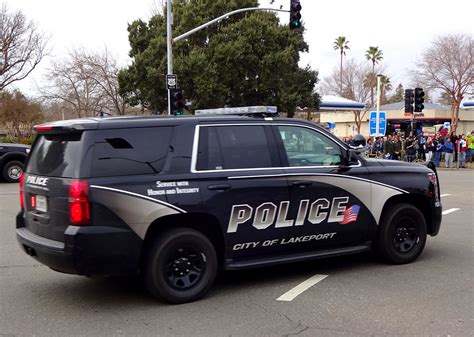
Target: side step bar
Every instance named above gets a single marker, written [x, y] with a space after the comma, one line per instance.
[269, 261]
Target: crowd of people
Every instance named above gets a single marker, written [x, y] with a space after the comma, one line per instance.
[438, 148]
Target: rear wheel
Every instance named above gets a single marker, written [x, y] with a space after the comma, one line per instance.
[12, 171]
[181, 266]
[402, 234]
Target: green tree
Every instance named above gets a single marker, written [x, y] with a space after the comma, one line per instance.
[375, 55]
[385, 86]
[247, 59]
[398, 95]
[18, 115]
[342, 45]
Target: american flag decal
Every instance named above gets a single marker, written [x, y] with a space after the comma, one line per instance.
[350, 214]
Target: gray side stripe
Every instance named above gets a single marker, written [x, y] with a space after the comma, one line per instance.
[136, 210]
[139, 196]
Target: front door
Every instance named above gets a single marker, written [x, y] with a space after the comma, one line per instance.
[328, 202]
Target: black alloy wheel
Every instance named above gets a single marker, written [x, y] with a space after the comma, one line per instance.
[185, 268]
[406, 235]
[401, 235]
[181, 266]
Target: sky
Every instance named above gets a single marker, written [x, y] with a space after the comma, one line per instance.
[402, 29]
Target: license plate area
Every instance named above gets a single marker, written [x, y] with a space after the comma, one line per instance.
[41, 203]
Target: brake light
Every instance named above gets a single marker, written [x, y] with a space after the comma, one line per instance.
[43, 127]
[33, 201]
[79, 207]
[22, 200]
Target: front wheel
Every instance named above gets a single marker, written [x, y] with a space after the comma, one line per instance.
[402, 234]
[181, 266]
[12, 171]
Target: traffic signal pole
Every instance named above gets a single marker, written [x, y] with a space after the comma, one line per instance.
[169, 32]
[169, 45]
[377, 116]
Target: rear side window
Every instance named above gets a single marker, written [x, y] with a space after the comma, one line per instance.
[56, 155]
[130, 151]
[233, 147]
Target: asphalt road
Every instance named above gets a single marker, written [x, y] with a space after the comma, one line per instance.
[359, 297]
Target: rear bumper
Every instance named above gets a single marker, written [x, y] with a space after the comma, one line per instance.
[97, 250]
[436, 220]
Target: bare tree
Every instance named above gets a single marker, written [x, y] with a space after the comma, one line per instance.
[355, 86]
[448, 65]
[85, 84]
[22, 47]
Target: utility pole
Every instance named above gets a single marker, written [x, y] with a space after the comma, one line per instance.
[169, 45]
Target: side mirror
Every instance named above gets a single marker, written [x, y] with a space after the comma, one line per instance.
[350, 158]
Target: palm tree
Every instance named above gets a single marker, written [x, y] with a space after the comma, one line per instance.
[341, 44]
[386, 86]
[373, 54]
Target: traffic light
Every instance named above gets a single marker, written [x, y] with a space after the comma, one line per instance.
[177, 102]
[295, 15]
[409, 100]
[419, 99]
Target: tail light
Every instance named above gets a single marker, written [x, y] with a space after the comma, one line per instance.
[79, 207]
[434, 182]
[22, 199]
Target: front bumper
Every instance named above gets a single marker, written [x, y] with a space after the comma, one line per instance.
[94, 250]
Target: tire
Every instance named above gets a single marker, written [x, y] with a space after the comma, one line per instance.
[402, 234]
[181, 266]
[12, 171]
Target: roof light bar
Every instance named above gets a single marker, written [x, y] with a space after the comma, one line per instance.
[244, 110]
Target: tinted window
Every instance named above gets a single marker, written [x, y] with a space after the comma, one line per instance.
[56, 155]
[130, 151]
[306, 147]
[233, 147]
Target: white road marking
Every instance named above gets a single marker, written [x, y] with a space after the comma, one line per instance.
[451, 210]
[445, 195]
[292, 293]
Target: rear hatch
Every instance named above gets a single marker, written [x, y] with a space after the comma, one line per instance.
[56, 160]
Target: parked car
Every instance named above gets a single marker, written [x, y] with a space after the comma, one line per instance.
[12, 161]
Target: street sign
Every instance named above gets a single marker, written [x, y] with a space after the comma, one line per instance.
[171, 81]
[382, 123]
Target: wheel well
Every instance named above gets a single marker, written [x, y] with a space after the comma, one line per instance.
[12, 157]
[419, 201]
[204, 223]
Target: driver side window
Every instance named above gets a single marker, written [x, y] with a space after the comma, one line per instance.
[306, 147]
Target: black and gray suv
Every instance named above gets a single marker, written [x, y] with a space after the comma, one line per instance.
[12, 161]
[178, 198]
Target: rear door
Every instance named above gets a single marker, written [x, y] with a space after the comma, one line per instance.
[243, 186]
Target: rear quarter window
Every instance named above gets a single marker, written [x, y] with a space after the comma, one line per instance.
[130, 151]
[56, 155]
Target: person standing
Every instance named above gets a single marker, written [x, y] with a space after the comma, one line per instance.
[439, 142]
[470, 146]
[449, 152]
[430, 148]
[397, 148]
[462, 151]
[421, 145]
[388, 148]
[410, 149]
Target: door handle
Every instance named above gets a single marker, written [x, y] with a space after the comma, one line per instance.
[302, 183]
[218, 187]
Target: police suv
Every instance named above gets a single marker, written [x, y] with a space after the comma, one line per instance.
[178, 198]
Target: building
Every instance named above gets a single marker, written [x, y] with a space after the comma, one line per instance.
[397, 120]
